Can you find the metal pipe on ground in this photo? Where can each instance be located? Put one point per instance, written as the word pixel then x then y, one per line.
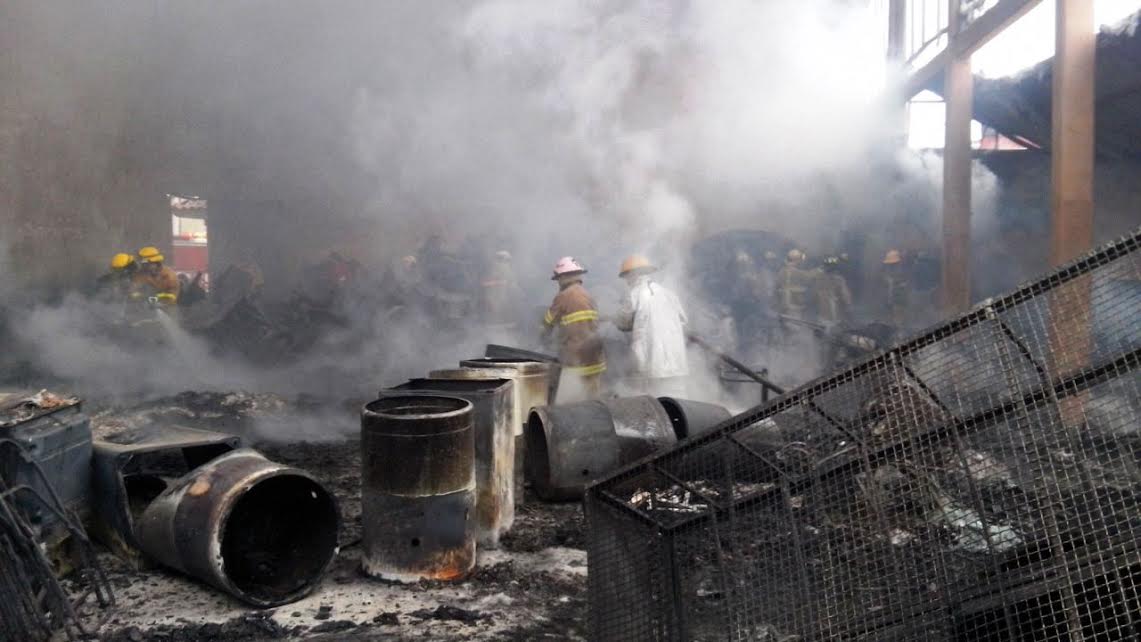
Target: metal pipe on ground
pixel 571 445
pixel 261 531
pixel 693 418
pixel 492 414
pixel 418 488
pixel 767 385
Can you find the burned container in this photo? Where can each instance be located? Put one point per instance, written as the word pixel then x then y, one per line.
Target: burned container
pixel 693 418
pixel 45 444
pixel 259 530
pixel 571 445
pixel 418 488
pixel 519 397
pixel 130 467
pixel 492 416
pixel 537 380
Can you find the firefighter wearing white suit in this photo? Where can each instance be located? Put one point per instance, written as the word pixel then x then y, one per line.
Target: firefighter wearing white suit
pixel 656 321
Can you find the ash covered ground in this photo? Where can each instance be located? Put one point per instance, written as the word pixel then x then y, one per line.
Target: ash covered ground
pixel 532 587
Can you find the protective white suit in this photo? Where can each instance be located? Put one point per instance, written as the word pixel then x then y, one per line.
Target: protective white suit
pixel 654 317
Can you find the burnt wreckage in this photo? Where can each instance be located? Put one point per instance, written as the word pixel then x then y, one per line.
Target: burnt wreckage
pixel 976 482
pixel 979 481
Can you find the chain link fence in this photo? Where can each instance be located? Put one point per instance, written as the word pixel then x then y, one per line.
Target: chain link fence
pixel 978 482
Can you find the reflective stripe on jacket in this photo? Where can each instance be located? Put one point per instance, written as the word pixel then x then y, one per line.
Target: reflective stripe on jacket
pixel 574 316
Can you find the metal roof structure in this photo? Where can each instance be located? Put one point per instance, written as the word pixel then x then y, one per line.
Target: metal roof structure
pixel 1019 107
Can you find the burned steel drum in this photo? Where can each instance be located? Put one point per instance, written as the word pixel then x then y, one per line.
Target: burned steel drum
pixel 418 488
pixel 521 395
pixel 693 418
pixel 259 530
pixel 492 416
pixel 537 382
pixel 569 446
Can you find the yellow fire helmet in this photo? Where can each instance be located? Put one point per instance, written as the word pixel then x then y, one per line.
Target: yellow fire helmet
pixel 150 254
pixel 121 261
pixel 636 262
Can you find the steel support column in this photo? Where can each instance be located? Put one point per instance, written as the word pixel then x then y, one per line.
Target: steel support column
pixel 896 30
pixel 958 94
pixel 896 54
pixel 1072 133
pixel 1072 160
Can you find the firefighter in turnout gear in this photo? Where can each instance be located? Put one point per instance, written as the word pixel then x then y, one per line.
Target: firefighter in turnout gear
pixel 897 288
pixel 653 316
pixel 833 298
pixel 499 292
pixel 155 279
pixel 793 286
pixel 573 316
pixel 116 284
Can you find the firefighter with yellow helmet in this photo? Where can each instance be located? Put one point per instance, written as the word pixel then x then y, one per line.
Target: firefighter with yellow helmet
pixel 656 321
pixel 897 287
pixel 154 279
pixel 833 297
pixel 116 283
pixel 794 284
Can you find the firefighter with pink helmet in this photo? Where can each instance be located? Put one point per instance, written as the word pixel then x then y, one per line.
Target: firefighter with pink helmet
pixel 573 317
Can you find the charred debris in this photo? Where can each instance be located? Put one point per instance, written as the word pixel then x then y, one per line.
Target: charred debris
pixel 127 504
pixel 977 481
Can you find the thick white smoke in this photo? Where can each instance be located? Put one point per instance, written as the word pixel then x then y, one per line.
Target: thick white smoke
pixel 594 128
pixel 580 123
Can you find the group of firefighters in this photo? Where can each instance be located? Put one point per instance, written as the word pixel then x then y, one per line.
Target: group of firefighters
pixel 652 315
pixel 821 294
pixel 656 321
pixel 143 276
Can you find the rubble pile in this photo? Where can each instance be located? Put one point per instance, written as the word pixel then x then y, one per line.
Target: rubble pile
pixel 532 588
pixel 976 482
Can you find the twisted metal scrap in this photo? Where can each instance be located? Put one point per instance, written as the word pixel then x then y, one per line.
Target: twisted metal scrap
pixel 33 604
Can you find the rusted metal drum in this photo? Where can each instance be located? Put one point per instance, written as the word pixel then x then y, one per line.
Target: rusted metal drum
pixel 418 488
pixel 693 418
pixel 518 410
pixel 569 446
pixel 537 382
pixel 261 531
pixel 492 414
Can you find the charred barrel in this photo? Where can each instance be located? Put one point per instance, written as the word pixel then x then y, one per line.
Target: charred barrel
pixel 418 488
pixel 261 531
pixel 492 417
pixel 693 418
pixel 537 382
pixel 569 446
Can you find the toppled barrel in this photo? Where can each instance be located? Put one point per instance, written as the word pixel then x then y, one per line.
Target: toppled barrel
pixel 418 488
pixel 492 417
pixel 693 418
pixel 569 446
pixel 259 530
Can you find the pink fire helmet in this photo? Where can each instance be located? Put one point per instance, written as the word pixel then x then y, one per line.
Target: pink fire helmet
pixel 567 265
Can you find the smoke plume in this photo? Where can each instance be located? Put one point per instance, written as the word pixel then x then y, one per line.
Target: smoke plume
pixel 592 128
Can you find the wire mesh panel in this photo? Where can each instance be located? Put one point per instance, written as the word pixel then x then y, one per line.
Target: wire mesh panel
pixel 981 481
